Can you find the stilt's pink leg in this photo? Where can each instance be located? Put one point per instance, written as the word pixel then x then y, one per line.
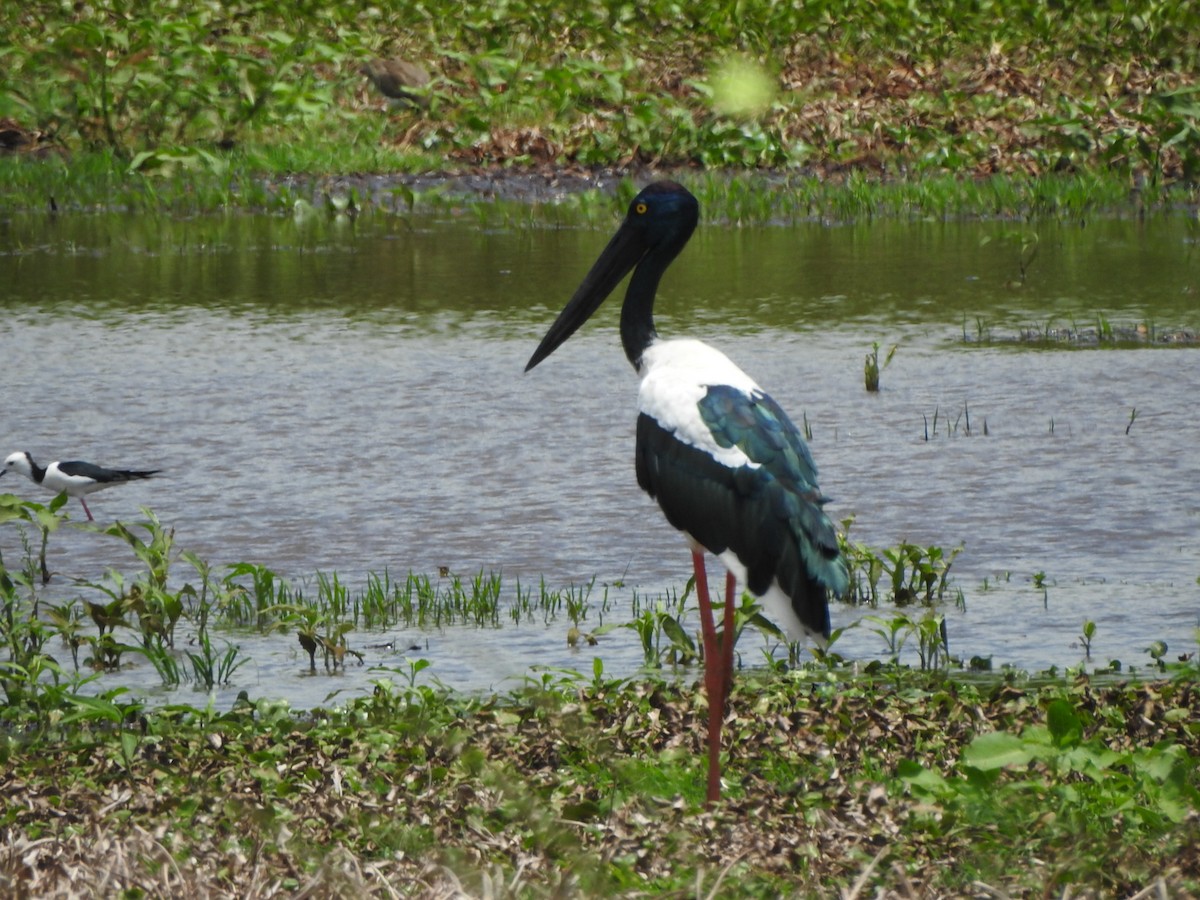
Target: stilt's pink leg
pixel 86 510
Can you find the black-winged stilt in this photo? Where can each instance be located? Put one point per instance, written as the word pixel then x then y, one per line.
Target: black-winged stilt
pixel 75 478
pixel 723 460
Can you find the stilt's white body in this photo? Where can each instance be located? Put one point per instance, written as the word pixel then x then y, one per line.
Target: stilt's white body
pixel 56 481
pixel 76 479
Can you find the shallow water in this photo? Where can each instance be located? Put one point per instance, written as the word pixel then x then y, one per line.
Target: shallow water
pixel 349 397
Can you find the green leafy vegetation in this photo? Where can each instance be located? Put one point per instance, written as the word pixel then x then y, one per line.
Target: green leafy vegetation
pixel 901 575
pixel 232 95
pixel 594 786
pixel 1080 786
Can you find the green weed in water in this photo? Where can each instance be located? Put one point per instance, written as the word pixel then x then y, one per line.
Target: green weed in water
pixel 901 575
pixel 1087 633
pixel 872 366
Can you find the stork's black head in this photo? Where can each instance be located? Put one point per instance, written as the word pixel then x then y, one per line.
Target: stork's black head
pixel 665 213
pixel 659 222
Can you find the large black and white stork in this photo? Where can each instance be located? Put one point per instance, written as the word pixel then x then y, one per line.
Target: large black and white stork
pixel 75 478
pixel 723 460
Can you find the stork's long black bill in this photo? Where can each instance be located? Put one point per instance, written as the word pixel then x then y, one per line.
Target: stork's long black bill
pixel 622 253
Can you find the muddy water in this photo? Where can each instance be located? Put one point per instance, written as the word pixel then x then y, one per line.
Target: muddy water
pixel 349 397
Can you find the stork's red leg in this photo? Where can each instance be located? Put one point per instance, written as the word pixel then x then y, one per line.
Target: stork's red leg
pixel 714 679
pixel 729 635
pixel 707 626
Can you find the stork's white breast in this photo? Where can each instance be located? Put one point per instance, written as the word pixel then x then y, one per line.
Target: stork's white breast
pixel 676 375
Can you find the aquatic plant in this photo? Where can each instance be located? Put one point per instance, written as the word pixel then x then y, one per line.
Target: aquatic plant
pixel 960 423
pixel 933 646
pixel 23 637
pixel 210 667
pixel 872 368
pixel 1086 634
pixel 914 574
pixel 1040 584
pixel 1026 244
pixel 660 629
pixel 1132 419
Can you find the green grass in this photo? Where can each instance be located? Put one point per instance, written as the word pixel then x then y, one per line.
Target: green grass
pixel 101 181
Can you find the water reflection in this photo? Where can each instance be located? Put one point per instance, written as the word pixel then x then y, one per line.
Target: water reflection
pixel 350 398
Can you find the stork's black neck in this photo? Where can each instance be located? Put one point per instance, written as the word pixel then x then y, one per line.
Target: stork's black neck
pixel 637 313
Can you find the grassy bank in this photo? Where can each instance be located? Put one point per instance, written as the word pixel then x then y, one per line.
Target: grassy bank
pixel 889 92
pixel 912 784
pixel 940 780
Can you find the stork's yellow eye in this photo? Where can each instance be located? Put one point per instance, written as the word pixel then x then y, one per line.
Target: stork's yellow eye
pixel 640 208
